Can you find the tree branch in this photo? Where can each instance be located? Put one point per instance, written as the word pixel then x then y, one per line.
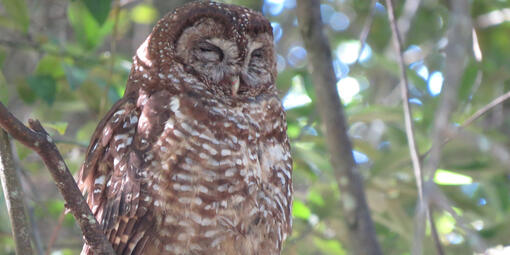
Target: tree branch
pixel 423 210
pixel 14 198
pixel 497 101
pixel 37 139
pixel 354 205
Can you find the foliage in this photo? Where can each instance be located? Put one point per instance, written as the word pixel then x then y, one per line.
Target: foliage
pixel 66 62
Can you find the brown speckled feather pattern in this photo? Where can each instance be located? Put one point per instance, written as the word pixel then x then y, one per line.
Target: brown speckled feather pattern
pixel 182 166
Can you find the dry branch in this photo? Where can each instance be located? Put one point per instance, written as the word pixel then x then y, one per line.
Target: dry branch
pixel 37 139
pixel 13 194
pixel 355 210
pixel 423 210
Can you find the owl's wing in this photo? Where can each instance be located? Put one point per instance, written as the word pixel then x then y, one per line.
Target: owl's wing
pixel 111 178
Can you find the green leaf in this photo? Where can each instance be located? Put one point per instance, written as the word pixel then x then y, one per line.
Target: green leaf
pixel 144 14
pixel 468 80
pixel 44 87
pixel 300 210
pixel 446 177
pixel 329 246
pixel 17 11
pixel 50 65
pixel 86 28
pixel 99 9
pixel 75 76
pixel 315 197
pixel 25 92
pixel 445 223
pixel 59 126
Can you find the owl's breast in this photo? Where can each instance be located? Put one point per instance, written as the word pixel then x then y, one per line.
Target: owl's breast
pixel 220 178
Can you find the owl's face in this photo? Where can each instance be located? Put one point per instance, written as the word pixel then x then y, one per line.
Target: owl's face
pixel 221 61
pixel 229 48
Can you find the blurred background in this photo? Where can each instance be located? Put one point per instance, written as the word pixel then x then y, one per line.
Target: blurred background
pixel 66 62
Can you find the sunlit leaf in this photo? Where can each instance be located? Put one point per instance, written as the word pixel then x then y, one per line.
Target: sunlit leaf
pixel 144 14
pixel 300 210
pixel 446 177
pixel 316 198
pixel 86 28
pixel 59 126
pixel 44 87
pixel 293 130
pixel 17 10
pixel 99 9
pixel 445 223
pixel 332 247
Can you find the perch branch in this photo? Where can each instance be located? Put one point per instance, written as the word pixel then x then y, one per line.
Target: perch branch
pixel 14 198
pixel 413 148
pixel 482 111
pixel 354 206
pixel 37 139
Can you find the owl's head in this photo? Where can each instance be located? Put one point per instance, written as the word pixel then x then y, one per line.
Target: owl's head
pixel 229 48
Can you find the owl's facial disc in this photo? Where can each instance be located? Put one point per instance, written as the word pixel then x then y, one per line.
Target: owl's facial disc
pixel 223 63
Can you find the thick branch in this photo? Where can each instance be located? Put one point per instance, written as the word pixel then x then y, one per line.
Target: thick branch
pixel 14 197
pixel 354 206
pixel 38 140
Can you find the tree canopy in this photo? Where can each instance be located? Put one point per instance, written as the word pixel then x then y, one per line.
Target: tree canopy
pixel 66 62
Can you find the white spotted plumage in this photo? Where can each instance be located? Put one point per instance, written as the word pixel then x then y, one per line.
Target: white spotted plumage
pixel 185 162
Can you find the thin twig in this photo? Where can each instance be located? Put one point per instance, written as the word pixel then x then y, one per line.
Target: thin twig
pixel 404 85
pixel 363 239
pixel 485 109
pixel 55 232
pixel 482 111
pixel 433 229
pixel 28 43
pixel 37 139
pixel 366 29
pixel 413 149
pixel 14 197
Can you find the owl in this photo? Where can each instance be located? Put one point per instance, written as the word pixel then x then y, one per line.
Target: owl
pixel 194 158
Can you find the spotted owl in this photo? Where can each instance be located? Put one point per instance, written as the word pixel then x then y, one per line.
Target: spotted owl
pixel 194 159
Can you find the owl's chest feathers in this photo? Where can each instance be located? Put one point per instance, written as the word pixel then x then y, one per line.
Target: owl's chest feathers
pixel 209 172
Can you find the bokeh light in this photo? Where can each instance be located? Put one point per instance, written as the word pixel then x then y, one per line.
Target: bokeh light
pixel 348 87
pixel 297 95
pixel 435 83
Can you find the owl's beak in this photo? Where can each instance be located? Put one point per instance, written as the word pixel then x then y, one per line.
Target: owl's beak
pixel 235 86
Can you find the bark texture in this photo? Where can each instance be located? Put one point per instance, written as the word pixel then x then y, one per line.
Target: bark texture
pixel 13 194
